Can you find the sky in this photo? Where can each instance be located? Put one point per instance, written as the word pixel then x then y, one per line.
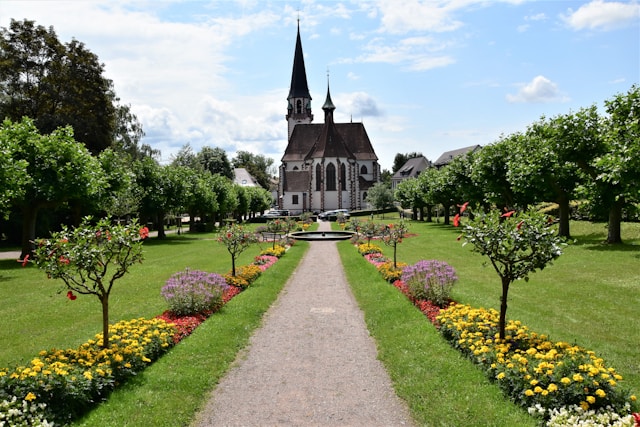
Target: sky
pixel 423 76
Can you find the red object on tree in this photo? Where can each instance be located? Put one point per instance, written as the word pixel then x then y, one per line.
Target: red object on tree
pixel 25 260
pixel 144 233
pixel 456 220
pixel 507 214
pixel 463 206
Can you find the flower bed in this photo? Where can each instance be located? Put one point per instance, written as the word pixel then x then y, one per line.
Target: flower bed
pixel 562 384
pixel 60 385
pixel 68 381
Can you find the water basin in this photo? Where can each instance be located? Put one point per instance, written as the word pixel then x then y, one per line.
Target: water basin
pixel 321 235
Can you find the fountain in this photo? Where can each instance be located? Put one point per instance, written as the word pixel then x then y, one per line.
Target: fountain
pixel 321 235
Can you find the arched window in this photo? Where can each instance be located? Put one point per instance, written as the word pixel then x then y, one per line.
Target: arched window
pixel 330 178
pixel 363 170
pixel 299 106
pixel 343 177
pixel 295 168
pixel 318 177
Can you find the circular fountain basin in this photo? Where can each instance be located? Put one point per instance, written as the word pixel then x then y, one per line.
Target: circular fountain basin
pixel 321 235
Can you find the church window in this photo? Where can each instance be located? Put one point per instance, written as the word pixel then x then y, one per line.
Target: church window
pixel 343 177
pixel 294 199
pixel 330 178
pixel 318 177
pixel 363 170
pixel 295 168
pixel 299 106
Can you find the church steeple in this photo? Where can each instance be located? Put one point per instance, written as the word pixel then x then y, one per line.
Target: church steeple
pixel 299 105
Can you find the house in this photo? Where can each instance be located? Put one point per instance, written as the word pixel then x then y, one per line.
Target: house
pixel 242 177
pixel 411 169
pixel 325 166
pixel 448 156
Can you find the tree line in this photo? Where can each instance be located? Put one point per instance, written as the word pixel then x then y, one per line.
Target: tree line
pixel 69 148
pixel 583 157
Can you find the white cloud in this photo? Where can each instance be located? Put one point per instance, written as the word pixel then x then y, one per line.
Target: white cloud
pixel 601 15
pixel 414 15
pixel 540 89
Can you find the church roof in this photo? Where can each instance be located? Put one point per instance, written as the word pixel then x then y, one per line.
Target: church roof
pixel 296 180
pixel 304 139
pixel 299 87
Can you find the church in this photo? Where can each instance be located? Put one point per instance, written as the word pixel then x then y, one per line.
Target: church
pixel 325 166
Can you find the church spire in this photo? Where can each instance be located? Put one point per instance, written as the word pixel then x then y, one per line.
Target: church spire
pixel 299 108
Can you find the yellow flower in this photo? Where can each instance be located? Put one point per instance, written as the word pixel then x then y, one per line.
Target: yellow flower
pixel 584 405
pixel 591 399
pixel 600 393
pixel 501 375
pixel 538 389
pixel 30 396
pixel 528 392
pixel 87 375
pixel 565 381
pixel 577 378
pixel 552 387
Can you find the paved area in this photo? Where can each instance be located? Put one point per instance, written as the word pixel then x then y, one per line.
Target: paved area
pixel 312 363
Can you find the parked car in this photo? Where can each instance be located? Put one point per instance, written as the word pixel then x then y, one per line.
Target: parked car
pixel 275 213
pixel 333 215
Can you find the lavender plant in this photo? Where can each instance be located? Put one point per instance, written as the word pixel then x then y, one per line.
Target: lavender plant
pixel 193 291
pixel 430 280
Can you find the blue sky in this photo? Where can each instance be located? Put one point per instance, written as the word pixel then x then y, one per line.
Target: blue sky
pixel 426 76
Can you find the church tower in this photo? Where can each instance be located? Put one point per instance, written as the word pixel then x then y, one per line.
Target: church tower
pixel 299 108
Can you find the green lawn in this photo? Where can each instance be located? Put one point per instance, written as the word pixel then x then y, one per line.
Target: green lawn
pixel 589 296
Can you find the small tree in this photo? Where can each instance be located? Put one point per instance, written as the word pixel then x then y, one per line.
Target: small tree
pixel 90 258
pixel 380 196
pixel 236 240
pixel 393 234
pixel 516 245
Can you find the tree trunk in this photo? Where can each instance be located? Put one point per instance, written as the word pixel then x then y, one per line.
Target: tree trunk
pixel 29 218
pixel 429 213
pixel 160 226
pixel 447 212
pixel 104 299
pixel 503 307
pixel 615 219
pixel 563 226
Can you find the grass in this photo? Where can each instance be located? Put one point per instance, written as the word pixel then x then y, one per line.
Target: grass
pixel 588 296
pixel 439 385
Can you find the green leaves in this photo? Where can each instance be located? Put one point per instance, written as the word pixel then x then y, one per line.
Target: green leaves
pixel 517 245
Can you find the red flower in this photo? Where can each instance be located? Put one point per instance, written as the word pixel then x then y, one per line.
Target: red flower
pixel 25 260
pixel 456 220
pixel 63 260
pixel 144 233
pixel 463 206
pixel 71 296
pixel 507 214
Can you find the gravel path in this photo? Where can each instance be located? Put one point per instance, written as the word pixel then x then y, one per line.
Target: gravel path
pixel 312 363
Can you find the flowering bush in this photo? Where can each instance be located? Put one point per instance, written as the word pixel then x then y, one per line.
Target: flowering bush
pixel 193 291
pixel 430 280
pixel 69 381
pixel 245 275
pixel 277 251
pixel 236 240
pixel 24 412
pixel 265 261
pixel 576 416
pixel 390 272
pixel 368 248
pixel 531 369
pixel 91 257
pixel 376 258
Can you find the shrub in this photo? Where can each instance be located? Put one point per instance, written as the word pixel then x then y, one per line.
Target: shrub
pixel 193 291
pixel 245 275
pixel 430 280
pixel 23 412
pixel 368 248
pixel 277 250
pixel 391 273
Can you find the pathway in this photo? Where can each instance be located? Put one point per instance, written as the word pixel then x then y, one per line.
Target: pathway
pixel 312 363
